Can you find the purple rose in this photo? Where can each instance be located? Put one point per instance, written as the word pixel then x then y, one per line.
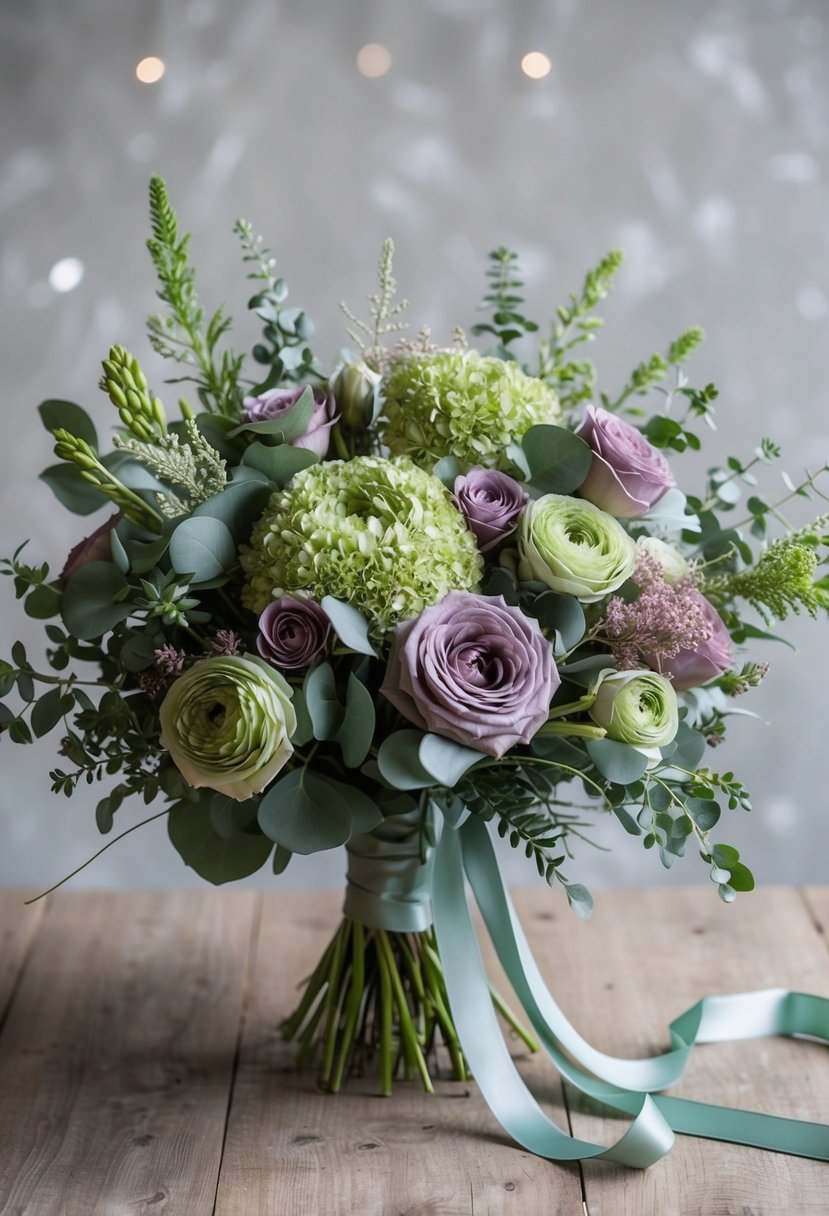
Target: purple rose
pixel 94 548
pixel 293 633
pixel 277 401
pixel 690 668
pixel 473 669
pixel 491 503
pixel 627 475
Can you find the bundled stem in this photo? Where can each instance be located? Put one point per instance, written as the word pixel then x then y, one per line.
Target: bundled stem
pixel 379 998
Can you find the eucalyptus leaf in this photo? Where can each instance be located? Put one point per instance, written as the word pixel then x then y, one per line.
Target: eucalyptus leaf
pixel 65 415
pixel 324 708
pixel 72 490
pixel 119 554
pixel 280 463
pixel 43 602
pixel 579 899
pixel 238 507
pixel 304 813
pixel 281 859
pixel 617 762
pixel 145 556
pixel 46 713
pixel 447 760
pixel 559 461
pixel 365 813
pixel 217 856
pixel 349 625
pixel 563 613
pixel 356 730
pixel 89 608
pixel 446 470
pixel 202 547
pixel 399 761
pixel 304 732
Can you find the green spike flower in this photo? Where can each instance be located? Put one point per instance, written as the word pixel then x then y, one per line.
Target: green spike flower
pixel 82 455
pixel 126 386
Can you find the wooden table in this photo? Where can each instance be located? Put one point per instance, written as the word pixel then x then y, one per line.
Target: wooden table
pixel 141 1071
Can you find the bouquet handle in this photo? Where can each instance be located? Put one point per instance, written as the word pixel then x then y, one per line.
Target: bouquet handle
pixel 626 1085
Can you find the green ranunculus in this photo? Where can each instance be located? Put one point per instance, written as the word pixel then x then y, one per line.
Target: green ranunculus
pixel 636 707
pixel 227 724
pixel 574 548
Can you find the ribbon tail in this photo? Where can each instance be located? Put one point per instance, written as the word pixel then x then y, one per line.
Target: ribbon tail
pixel 624 1085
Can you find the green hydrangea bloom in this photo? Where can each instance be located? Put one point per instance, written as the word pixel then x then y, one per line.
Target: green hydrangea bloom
pixel 381 534
pixel 462 404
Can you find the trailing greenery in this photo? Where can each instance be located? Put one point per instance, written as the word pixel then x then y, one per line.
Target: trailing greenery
pixel 505 301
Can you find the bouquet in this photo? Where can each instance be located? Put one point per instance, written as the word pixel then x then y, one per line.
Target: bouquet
pixel 432 593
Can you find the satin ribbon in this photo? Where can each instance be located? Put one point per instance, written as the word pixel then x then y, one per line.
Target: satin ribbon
pixel 388 883
pixel 627 1086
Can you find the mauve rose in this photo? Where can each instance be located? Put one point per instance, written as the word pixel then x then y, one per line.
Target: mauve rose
pixel 690 668
pixel 277 401
pixel 293 633
pixel 627 475
pixel 473 669
pixel 94 548
pixel 491 503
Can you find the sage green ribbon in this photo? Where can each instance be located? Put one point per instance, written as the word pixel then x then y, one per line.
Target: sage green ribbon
pixel 388 881
pixel 627 1086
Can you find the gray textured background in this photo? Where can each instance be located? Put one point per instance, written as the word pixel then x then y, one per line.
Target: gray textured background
pixel 694 135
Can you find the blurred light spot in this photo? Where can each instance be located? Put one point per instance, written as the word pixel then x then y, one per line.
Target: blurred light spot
pixel 796 167
pixel 66 274
pixel 536 65
pixel 373 59
pixel 150 70
pixel 812 304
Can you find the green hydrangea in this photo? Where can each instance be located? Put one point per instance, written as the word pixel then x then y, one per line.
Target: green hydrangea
pixel 462 404
pixel 382 534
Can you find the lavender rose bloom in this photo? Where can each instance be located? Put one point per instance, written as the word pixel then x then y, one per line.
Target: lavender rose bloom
pixel 690 668
pixel 277 401
pixel 627 475
pixel 293 633
pixel 473 669
pixel 491 503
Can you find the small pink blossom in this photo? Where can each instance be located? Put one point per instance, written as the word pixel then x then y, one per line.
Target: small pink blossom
pixel 169 661
pixel 226 641
pixel 663 621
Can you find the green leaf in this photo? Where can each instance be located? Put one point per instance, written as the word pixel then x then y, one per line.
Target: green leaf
pixel 364 811
pixel 689 750
pixel 725 856
pixel 563 613
pixel 238 507
pixel 43 602
pixel 324 708
pixel 356 730
pixel 65 415
pixel 19 731
pixel 47 712
pixel 559 460
pixel 446 760
pixel 305 813
pixel 138 651
pixel 741 878
pixel 293 424
pixel 202 547
pixel 579 899
pixel 304 732
pixel 399 761
pixel 281 859
pixel 218 856
pixel 119 553
pixel 89 609
pixel 616 761
pixel 280 463
pixel 144 557
pixel 72 490
pixel 704 811
pixel 349 625
pixel 446 470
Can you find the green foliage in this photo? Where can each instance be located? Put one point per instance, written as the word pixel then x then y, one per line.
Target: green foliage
pixel 186 462
pixel 92 470
pixel 286 332
pixel 575 324
pixel 505 301
pixel 126 386
pixel 185 333
pixel 781 582
pixel 384 310
pixel 557 459
pixel 219 838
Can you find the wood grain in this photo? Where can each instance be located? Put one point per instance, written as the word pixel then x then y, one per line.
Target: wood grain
pixel 644 958
pixel 293 1151
pixel 18 926
pixel 116 1059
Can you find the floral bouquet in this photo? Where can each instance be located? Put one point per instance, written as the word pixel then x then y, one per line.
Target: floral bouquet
pixel 393 607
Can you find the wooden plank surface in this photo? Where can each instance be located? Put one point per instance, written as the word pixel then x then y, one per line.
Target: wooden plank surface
pixel 117 1056
pixel 18 926
pixel 130 1050
pixel 644 958
pixel 293 1151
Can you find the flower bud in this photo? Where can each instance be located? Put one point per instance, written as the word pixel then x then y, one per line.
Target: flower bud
pixel 638 708
pixel 353 386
